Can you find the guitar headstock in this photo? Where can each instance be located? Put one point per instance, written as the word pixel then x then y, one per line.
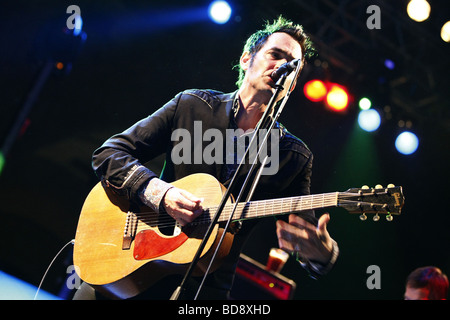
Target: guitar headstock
pixel 378 200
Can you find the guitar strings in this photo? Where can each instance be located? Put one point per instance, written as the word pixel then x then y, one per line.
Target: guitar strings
pixel 147 220
pixel 168 222
pixel 256 206
pixel 152 219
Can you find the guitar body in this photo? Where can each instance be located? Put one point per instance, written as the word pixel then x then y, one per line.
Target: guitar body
pixel 102 261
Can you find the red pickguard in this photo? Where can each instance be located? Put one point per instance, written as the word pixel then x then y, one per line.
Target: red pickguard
pixel 149 244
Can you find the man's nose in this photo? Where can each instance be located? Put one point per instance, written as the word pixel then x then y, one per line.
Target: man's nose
pixel 281 62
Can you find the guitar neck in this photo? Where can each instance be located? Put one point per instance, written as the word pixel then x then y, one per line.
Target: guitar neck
pixel 264 208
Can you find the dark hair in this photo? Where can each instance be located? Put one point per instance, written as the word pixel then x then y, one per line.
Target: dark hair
pixel 430 278
pixel 257 40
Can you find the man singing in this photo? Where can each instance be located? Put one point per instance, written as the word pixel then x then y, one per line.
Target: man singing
pixel 119 163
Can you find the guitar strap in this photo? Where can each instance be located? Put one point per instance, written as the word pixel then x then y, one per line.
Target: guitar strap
pixel 268 122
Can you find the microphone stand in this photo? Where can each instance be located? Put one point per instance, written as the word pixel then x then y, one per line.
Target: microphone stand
pixel 265 117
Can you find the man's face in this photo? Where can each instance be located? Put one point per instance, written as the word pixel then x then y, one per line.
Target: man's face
pixel 278 49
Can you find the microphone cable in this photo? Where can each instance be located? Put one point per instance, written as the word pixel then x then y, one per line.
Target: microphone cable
pixel 50 265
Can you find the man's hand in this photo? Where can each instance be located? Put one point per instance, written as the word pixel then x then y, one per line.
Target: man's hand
pixel 313 243
pixel 182 206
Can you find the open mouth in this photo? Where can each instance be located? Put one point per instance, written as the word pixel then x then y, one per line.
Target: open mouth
pixel 271 82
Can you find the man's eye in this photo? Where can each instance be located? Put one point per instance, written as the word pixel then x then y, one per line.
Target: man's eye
pixel 275 55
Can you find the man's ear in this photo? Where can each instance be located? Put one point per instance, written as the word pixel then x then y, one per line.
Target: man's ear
pixel 245 60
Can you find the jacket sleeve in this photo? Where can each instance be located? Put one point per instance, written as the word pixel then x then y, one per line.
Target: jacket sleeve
pixel 119 161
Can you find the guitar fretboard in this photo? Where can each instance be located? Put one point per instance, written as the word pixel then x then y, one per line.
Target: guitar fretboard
pixel 263 208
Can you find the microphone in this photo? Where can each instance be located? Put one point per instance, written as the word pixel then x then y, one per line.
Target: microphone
pixel 287 67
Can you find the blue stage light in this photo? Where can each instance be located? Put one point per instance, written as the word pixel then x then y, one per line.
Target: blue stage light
pixel 12 288
pixel 407 143
pixel 78 26
pixel 369 120
pixel 220 11
pixel 389 64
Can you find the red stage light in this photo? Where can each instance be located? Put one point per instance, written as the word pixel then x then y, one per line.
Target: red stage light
pixel 315 90
pixel 337 97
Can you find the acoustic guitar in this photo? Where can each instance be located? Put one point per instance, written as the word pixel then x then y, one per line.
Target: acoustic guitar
pixel 122 250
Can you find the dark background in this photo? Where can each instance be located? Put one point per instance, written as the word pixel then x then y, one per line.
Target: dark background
pixel 138 54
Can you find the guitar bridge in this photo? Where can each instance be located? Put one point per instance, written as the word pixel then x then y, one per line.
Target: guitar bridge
pixel 129 231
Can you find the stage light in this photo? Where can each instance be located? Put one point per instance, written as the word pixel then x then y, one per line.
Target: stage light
pixel 337 97
pixel 365 103
pixel 418 10
pixel 220 11
pixel 2 162
pixel 388 63
pixel 445 32
pixel 13 288
pixel 78 26
pixel 315 90
pixel 406 143
pixel 369 120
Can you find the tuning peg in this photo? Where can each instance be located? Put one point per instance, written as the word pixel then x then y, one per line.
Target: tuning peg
pixel 361 192
pixel 378 186
pixel 390 185
pixel 389 217
pixel 376 217
pixel 363 217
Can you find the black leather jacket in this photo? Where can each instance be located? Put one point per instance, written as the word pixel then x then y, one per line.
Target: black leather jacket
pixel 119 162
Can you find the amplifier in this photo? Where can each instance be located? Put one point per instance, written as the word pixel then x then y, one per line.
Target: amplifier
pixel 253 281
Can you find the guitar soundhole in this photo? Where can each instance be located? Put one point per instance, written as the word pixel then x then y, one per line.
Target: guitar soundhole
pixel 166 224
